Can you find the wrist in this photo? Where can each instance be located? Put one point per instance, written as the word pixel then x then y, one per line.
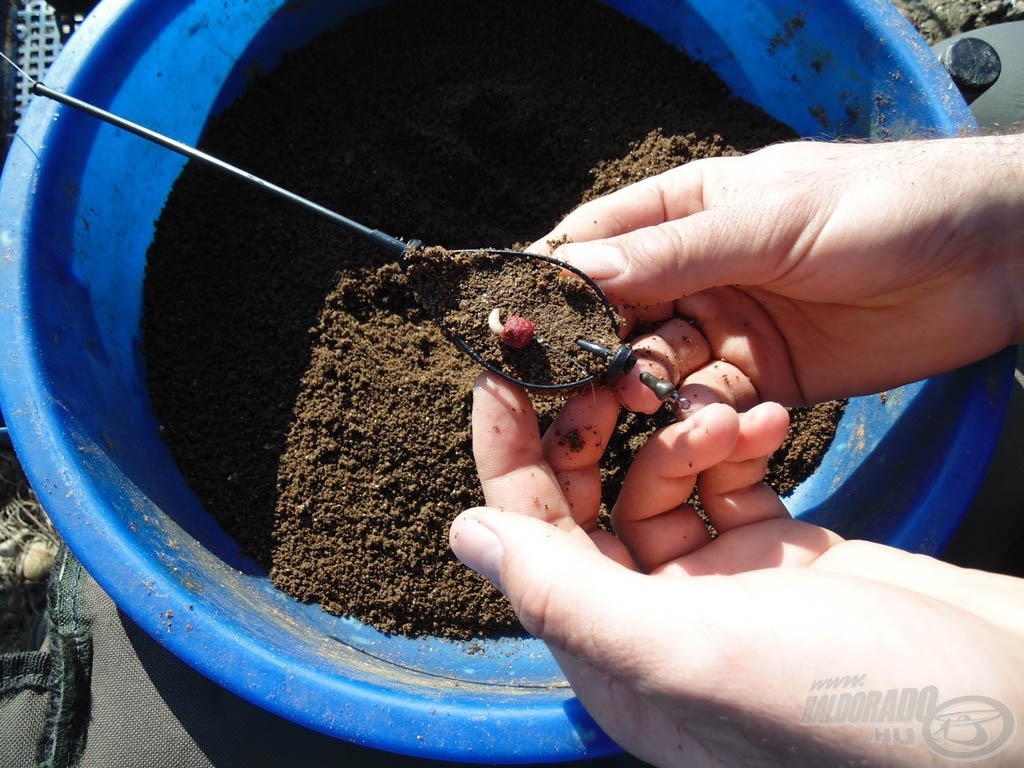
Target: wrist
pixel 991 223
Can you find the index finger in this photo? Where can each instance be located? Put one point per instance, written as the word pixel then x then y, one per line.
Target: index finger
pixel 646 203
pixel 509 456
pixel 574 445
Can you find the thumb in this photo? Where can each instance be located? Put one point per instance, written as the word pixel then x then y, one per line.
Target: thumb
pixel 564 590
pixel 719 246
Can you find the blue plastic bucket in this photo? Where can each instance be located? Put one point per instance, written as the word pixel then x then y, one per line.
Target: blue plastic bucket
pixel 78 200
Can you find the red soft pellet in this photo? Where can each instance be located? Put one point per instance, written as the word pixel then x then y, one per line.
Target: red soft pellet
pixel 518 332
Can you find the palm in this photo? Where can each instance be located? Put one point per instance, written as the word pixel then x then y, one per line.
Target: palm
pixel 711 670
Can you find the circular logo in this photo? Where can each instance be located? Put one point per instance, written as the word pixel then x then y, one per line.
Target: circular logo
pixel 968 728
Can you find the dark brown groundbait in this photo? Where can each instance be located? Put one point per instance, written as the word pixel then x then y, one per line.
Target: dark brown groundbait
pixel 305 394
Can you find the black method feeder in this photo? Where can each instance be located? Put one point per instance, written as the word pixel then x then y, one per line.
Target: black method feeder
pixel 617 361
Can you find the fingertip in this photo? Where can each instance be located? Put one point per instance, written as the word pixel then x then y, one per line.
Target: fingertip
pixel 720 382
pixel 768 418
pixel 672 351
pixel 599 260
pixel 762 430
pixel 769 412
pixel 490 386
pixel 539 248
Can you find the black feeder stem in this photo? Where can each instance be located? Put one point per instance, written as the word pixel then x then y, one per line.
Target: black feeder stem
pixel 663 389
pixel 619 362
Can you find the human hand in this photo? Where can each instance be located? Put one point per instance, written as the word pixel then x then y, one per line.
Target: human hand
pixel 693 651
pixel 820 270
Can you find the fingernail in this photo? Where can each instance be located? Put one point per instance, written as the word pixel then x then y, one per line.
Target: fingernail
pixel 477 547
pixel 598 260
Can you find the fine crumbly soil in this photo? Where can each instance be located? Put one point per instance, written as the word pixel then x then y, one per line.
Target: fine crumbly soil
pixel 306 395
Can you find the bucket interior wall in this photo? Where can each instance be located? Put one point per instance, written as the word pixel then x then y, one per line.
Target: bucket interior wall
pixel 79 201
